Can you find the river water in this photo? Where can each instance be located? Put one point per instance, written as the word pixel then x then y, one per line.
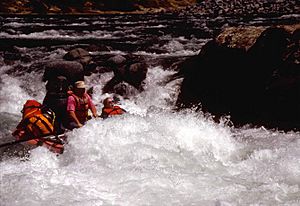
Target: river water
pixel 152 155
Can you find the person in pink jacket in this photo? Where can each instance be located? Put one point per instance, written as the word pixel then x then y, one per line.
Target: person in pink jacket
pixel 79 103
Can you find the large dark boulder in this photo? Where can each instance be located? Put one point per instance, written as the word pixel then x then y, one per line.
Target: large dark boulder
pixel 80 55
pixel 83 57
pixel 135 74
pixel 211 78
pixel 259 85
pixel 129 71
pixel 72 70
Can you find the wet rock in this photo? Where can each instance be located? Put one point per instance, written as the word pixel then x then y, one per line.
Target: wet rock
pixel 12 56
pixel 121 89
pixel 37 66
pixel 135 74
pixel 132 71
pixel 72 70
pixel 26 59
pixel 1 61
pixel 116 61
pixel 18 70
pixel 101 69
pixel 258 85
pixel 240 37
pixel 90 68
pixel 94 48
pixel 80 55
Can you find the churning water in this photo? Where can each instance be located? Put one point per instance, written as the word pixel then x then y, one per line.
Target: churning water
pixel 152 155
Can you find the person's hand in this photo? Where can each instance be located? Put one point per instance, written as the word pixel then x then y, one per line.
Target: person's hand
pixel 95 115
pixel 18 134
pixel 80 125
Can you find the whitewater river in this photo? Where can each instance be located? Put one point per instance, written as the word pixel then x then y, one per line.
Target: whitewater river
pixel 152 155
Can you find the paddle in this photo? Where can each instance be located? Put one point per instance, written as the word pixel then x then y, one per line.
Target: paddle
pixel 46 137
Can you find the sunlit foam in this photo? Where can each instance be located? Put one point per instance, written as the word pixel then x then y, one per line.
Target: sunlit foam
pixel 12 95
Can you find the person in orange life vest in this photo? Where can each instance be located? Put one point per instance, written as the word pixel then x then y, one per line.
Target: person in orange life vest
pixel 110 108
pixel 31 109
pixel 38 122
pixel 79 102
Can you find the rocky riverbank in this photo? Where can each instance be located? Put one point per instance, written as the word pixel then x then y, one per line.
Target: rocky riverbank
pixel 90 6
pixel 238 8
pixel 246 8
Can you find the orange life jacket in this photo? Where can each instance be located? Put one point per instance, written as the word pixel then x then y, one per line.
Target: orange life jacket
pixel 30 108
pixel 81 107
pixel 116 110
pixel 38 123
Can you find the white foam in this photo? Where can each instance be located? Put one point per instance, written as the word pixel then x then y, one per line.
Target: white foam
pixel 12 96
pixel 59 34
pixel 150 156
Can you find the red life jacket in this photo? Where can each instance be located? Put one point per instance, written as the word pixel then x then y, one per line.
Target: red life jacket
pixel 37 123
pixel 81 107
pixel 112 111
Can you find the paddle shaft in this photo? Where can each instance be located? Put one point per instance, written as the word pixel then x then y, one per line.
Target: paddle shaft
pixel 46 138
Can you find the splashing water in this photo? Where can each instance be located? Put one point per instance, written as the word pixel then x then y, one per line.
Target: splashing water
pixel 154 156
pixel 150 156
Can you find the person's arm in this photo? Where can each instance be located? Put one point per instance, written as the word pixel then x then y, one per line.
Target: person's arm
pixel 94 111
pixel 120 108
pixel 92 107
pixel 74 118
pixel 71 110
pixel 103 115
pixel 19 133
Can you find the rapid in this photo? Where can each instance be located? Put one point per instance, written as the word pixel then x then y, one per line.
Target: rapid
pixel 152 155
